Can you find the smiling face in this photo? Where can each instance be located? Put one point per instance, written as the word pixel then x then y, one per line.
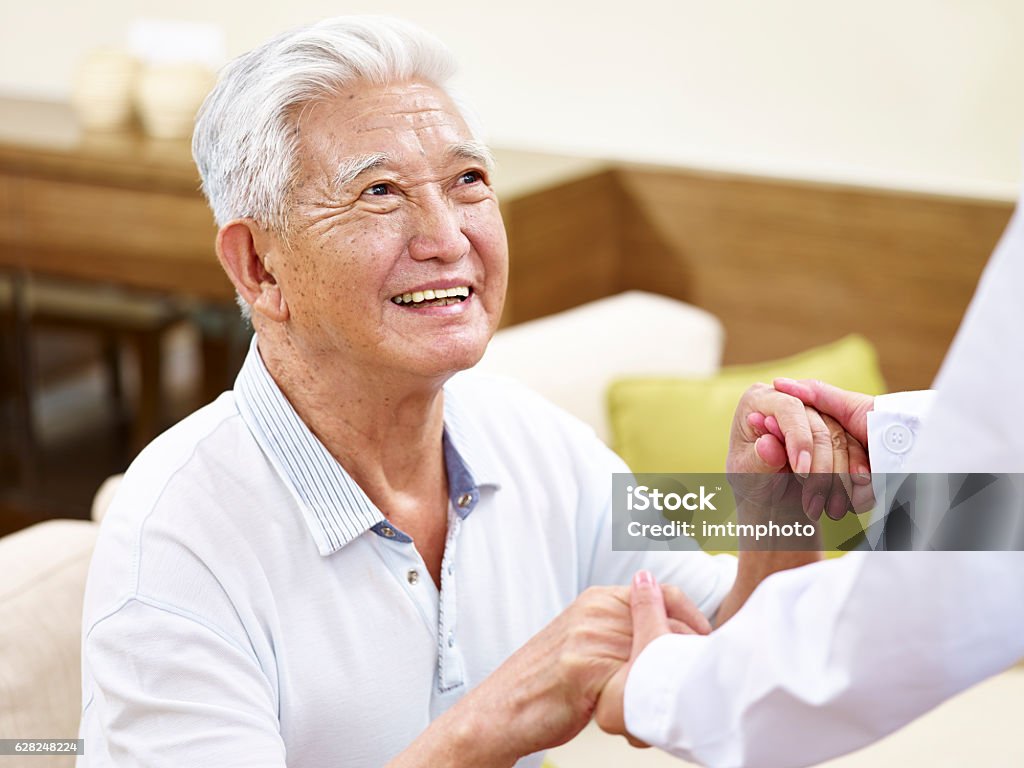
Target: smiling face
pixel 392 205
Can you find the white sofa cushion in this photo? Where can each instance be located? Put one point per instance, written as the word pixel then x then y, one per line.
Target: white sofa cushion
pixel 40 636
pixel 571 357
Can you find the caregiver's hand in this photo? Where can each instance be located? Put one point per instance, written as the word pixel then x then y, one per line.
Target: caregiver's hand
pixel 650 621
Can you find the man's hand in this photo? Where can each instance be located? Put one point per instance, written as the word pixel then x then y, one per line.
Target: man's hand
pixel 773 430
pixel 649 622
pixel 546 692
pixel 850 411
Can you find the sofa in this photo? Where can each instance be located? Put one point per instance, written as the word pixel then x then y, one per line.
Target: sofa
pixel 571 358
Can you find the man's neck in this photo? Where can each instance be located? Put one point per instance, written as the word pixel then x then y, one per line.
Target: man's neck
pixel 385 432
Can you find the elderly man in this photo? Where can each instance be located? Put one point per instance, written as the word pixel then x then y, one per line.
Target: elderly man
pixel 336 562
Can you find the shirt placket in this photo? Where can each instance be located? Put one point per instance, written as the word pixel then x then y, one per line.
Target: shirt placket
pixel 451 670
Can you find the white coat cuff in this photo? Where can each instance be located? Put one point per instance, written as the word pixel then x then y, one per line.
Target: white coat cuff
pixel 893 426
pixel 651 701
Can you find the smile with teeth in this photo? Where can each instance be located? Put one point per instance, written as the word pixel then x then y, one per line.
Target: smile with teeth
pixel 438 297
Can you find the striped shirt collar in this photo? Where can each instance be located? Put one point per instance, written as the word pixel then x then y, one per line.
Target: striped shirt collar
pixel 333 506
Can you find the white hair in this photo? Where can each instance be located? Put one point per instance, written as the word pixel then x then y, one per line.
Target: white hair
pixel 245 141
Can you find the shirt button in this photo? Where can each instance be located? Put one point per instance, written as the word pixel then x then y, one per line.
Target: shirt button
pixel 413 576
pixel 387 532
pixel 451 639
pixel 450 570
pixel 465 500
pixel 898 438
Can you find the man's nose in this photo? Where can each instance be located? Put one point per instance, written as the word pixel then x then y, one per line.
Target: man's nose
pixel 439 233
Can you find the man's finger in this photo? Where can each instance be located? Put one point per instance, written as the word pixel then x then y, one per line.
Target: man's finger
pixel 769 445
pixel 677 627
pixel 773 428
pixel 771 451
pixel 679 606
pixel 860 466
pixel 648 606
pixel 863 494
pixel 848 408
pixel 756 421
pixel 788 413
pixel 842 486
pixel 818 485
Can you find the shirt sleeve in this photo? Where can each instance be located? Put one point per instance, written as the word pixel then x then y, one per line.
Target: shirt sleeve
pixel 167 690
pixel 825 659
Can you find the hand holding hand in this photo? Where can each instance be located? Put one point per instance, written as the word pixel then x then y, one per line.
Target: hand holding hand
pixel 774 432
pixel 649 622
pixel 850 409
pixel 546 692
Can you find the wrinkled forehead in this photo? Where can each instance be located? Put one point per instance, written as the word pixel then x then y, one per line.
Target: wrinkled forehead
pixel 412 121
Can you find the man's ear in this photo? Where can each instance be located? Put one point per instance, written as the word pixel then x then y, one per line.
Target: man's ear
pixel 244 249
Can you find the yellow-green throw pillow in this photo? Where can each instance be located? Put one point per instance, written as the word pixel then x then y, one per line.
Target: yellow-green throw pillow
pixel 662 424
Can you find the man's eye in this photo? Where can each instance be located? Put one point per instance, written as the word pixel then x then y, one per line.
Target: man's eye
pixel 378 190
pixel 471 177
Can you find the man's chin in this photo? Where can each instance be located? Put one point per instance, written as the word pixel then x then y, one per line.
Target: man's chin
pixel 445 360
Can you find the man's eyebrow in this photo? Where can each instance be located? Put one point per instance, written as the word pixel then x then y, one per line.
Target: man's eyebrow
pixel 354 167
pixel 472 150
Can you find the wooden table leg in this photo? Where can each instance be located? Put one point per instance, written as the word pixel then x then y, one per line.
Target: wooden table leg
pixel 26 453
pixel 148 422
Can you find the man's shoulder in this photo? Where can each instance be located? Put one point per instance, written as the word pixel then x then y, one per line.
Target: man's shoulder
pixel 188 480
pixel 184 448
pixel 180 508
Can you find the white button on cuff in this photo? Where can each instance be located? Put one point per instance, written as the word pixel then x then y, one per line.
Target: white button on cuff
pixel 897 438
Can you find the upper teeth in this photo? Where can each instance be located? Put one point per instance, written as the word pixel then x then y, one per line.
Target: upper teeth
pixel 430 294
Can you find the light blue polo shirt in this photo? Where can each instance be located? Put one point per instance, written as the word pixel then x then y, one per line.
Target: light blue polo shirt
pixel 248 605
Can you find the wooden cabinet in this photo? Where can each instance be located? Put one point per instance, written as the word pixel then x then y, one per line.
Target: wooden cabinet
pixel 114 208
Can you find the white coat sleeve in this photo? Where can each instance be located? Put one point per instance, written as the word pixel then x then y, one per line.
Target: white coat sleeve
pixel 825 659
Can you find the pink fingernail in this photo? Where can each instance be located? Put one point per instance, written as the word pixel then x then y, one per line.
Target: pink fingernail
pixel 803 463
pixel 643 579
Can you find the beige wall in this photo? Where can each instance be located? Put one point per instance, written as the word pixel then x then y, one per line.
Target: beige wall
pixel 924 94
